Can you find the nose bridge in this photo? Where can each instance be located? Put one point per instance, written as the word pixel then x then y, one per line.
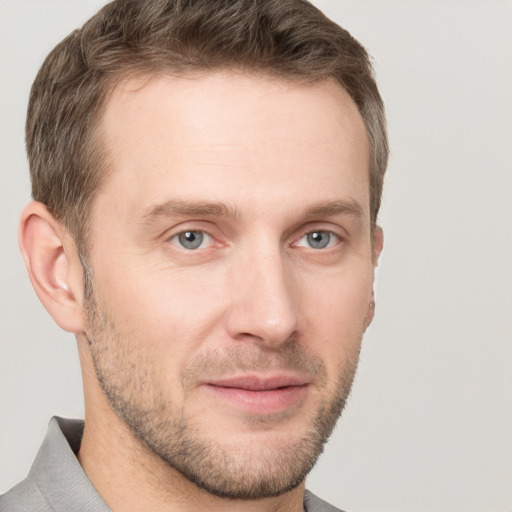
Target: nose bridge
pixel 264 305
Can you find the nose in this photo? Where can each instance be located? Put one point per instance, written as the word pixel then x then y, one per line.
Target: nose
pixel 264 304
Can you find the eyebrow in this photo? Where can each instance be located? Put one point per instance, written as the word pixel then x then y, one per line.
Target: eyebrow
pixel 176 208
pixel 342 206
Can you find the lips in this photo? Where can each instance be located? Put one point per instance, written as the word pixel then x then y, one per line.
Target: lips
pixel 255 383
pixel 257 394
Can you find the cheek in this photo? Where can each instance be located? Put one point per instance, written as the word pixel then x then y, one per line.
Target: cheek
pixel 159 325
pixel 171 313
pixel 340 297
pixel 335 314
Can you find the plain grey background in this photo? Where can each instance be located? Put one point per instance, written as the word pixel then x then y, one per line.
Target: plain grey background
pixel 429 423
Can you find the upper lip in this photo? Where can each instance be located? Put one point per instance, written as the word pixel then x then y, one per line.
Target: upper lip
pixel 259 383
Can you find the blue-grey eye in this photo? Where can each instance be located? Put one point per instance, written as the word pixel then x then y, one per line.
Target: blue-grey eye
pixel 318 239
pixel 190 239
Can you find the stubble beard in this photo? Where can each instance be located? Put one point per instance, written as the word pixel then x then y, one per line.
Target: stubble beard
pixel 227 471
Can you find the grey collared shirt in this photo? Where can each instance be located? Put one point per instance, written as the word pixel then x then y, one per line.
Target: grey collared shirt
pixel 57 483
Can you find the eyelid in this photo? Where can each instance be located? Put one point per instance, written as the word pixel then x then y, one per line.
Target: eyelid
pixel 189 225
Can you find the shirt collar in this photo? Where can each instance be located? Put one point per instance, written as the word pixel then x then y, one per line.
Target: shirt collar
pixel 57 473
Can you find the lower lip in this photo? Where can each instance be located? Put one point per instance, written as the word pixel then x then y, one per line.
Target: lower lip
pixel 260 402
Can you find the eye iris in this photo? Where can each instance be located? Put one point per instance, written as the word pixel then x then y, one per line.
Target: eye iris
pixel 319 239
pixel 191 239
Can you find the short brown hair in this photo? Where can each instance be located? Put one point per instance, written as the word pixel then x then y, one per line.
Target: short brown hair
pixel 288 39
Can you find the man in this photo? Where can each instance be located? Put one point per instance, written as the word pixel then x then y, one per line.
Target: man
pixel 206 178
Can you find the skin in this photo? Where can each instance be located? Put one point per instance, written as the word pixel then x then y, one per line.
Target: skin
pixel 171 338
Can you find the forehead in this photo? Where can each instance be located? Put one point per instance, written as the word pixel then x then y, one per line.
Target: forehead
pixel 230 131
pixel 210 98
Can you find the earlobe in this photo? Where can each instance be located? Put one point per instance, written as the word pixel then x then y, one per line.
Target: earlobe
pixel 53 265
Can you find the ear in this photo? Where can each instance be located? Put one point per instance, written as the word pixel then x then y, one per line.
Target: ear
pixel 378 244
pixel 370 313
pixel 53 265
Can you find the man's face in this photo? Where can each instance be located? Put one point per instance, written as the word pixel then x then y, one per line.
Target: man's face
pixel 232 267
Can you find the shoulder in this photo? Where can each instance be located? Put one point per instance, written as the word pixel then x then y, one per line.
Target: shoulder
pixel 313 503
